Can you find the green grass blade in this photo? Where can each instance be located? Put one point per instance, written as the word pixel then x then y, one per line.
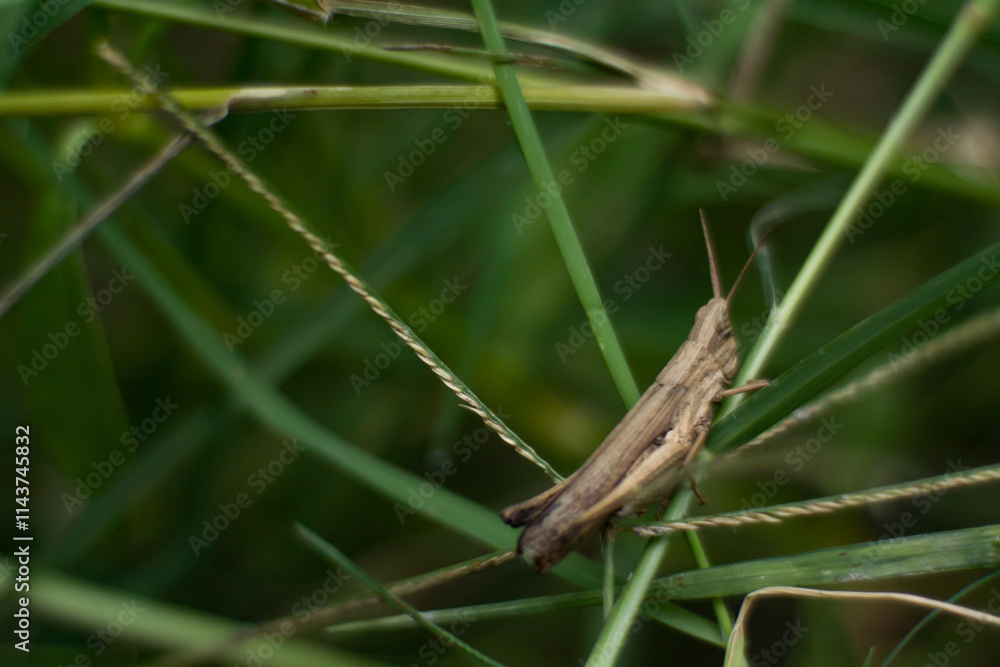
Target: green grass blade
pixel 440 18
pixel 301 34
pixel 877 560
pixel 334 555
pixel 971 21
pixel 935 302
pixel 934 614
pixel 145 622
pixel 557 213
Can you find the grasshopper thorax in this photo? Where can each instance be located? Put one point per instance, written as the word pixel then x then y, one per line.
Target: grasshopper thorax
pixel 713 330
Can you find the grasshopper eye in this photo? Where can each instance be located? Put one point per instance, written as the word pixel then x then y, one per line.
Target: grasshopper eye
pixel 722 327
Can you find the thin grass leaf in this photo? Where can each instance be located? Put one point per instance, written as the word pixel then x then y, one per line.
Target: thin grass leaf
pixel 739 634
pixel 336 556
pixel 866 562
pixel 964 336
pixel 581 98
pixel 556 212
pixel 945 293
pixel 934 614
pixel 84 606
pixel 778 513
pixel 306 35
pixel 608 589
pixel 74 236
pixel 440 18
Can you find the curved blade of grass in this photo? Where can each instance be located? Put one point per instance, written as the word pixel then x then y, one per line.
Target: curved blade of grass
pixel 735 649
pixel 818 139
pixel 934 614
pixel 336 556
pixel 556 212
pixel 784 208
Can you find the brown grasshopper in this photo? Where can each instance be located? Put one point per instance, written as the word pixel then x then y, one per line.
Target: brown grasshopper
pixel 646 455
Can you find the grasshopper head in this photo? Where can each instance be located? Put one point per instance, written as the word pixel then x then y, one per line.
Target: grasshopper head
pixel 713 330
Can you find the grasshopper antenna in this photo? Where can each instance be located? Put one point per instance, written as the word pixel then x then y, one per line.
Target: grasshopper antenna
pixel 712 268
pixel 760 244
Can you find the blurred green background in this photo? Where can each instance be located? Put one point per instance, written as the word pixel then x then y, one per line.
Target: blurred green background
pixel 490 296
